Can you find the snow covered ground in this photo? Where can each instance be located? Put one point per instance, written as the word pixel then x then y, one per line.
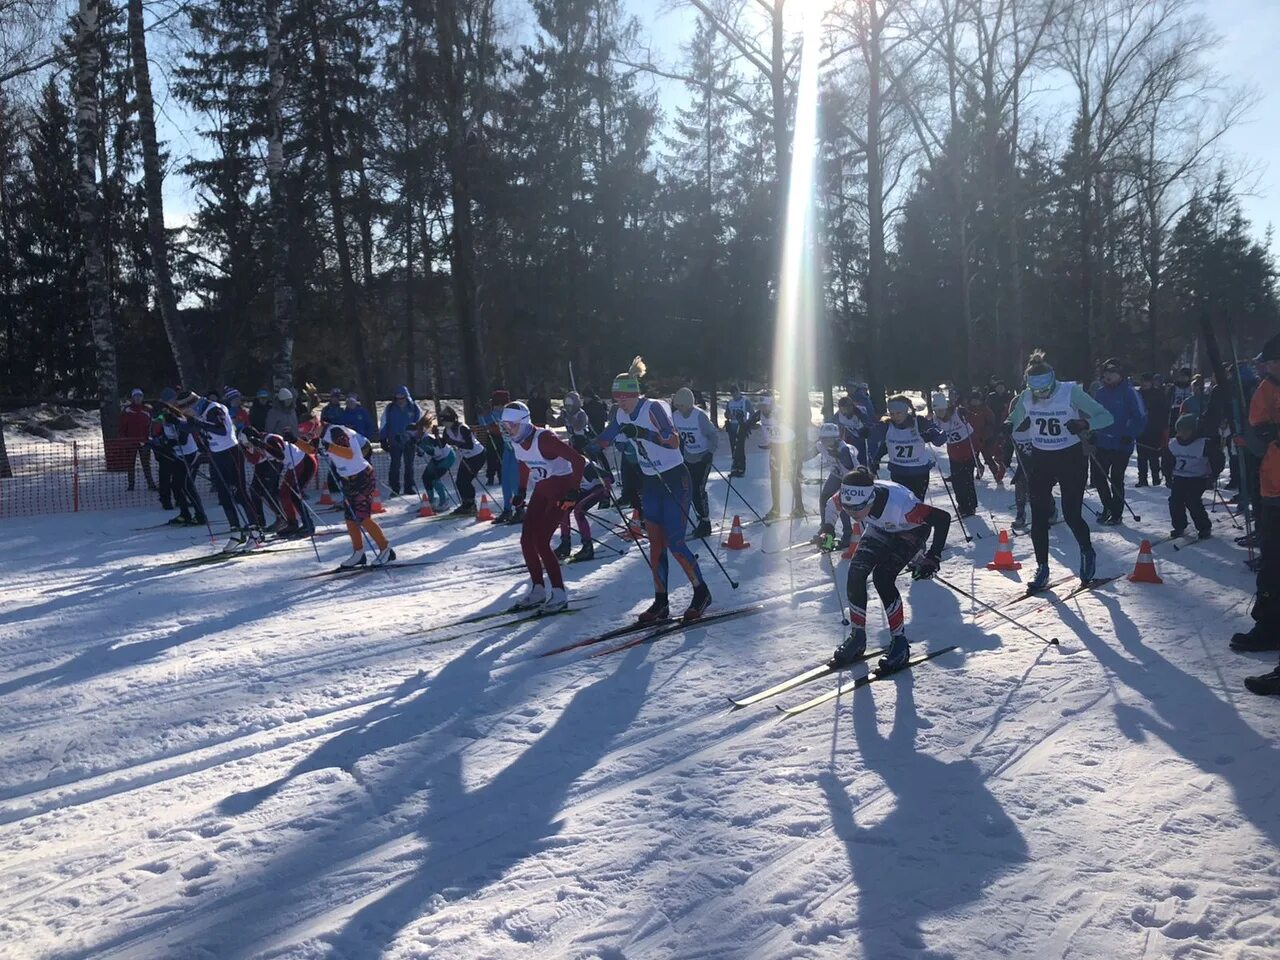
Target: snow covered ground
pixel 234 761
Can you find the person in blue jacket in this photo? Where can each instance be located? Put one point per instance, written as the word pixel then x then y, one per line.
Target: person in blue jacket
pixel 399 419
pixel 332 412
pixel 1115 443
pixel 357 417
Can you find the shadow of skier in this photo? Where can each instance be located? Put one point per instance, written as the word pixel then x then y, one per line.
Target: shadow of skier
pixel 946 839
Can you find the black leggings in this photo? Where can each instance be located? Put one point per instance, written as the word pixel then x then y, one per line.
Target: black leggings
pixel 227 472
pixel 698 470
pixel 917 483
pixel 880 557
pixel 468 472
pixel 1186 495
pixel 263 489
pixel 1067 469
pixel 1108 479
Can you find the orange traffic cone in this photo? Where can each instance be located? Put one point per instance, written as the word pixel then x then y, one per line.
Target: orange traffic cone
pixel 855 537
pixel 1004 555
pixel 634 530
pixel 484 514
pixel 736 541
pixel 426 510
pixel 377 503
pixel 1144 571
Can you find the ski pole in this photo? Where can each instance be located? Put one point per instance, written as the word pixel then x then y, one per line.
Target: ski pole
pixel 685 512
pixel 835 582
pixel 947 484
pixel 1051 641
pixel 731 490
pixel 1103 473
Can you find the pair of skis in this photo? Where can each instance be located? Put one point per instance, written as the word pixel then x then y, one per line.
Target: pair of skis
pixel 636 634
pixel 826 670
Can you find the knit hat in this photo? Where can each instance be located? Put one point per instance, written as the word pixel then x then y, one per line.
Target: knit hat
pixel 683 398
pixel 499 398
pixel 187 399
pixel 229 394
pixel 626 386
pixel 1188 421
pixel 135 392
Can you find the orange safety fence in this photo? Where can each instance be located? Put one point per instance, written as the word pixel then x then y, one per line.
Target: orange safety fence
pixel 66 476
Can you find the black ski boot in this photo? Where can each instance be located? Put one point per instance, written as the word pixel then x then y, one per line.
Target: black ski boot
pixel 701 600
pixel 852 650
pixel 588 552
pixel 1255 641
pixel 703 529
pixel 898 655
pixel 1266 685
pixel 465 509
pixel 564 549
pixel 657 611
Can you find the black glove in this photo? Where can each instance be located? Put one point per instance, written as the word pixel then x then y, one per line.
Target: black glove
pixel 517 502
pixel 926 568
pixel 1078 426
pixel 1024 426
pixel 633 431
pixel 570 499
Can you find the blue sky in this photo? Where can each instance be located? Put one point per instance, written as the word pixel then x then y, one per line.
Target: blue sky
pixel 1250 30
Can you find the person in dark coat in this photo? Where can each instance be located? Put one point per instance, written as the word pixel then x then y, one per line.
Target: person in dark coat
pixel 1152 440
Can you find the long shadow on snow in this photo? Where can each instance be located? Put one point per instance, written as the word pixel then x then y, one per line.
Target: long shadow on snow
pixel 946 839
pixel 1190 717
pixel 473 835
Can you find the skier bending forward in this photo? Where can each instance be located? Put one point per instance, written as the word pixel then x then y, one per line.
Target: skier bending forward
pixel 555 469
pixel 896 525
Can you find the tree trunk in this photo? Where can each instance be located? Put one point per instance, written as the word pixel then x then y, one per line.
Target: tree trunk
pixel 282 313
pixel 333 183
pixel 88 63
pixel 462 236
pixel 184 357
pixel 875 209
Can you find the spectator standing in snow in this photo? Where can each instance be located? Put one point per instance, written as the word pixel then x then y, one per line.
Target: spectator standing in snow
pixel 281 418
pixel 357 417
pixel 399 419
pixel 1115 442
pixel 1152 439
pixel 333 412
pixel 1264 419
pixel 259 409
pixel 135 429
pixel 539 407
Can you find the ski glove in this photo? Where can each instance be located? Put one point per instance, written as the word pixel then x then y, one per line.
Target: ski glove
pixel 634 431
pixel 517 502
pixel 570 500
pixel 1078 426
pixel 926 568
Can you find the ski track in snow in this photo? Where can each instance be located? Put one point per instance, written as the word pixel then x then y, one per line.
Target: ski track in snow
pixel 231 761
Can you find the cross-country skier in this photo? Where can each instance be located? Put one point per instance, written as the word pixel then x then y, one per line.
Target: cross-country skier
pixel 739 415
pixel 1056 413
pixel 226 469
pixel 853 426
pixel 176 445
pixel 895 527
pixel 666 490
pixel 555 469
pixel 903 436
pixel 295 468
pixel 577 425
pixel 471 454
pixel 264 485
pixel 439 458
pixel 1192 462
pixel 962 456
pixel 593 490
pixel 699 440
pixel 838 458
pixel 349 454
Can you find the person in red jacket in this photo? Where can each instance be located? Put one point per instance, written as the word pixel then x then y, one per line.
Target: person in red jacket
pixel 987 440
pixel 135 426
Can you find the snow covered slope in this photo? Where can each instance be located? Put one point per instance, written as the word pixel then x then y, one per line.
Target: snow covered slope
pixel 234 761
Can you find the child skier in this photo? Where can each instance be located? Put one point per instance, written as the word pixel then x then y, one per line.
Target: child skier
pixel 349 454
pixel 699 440
pixel 953 425
pixel 555 468
pixel 739 416
pixel 1192 461
pixel 439 458
pixel 472 456
pixel 666 490
pixel 1055 414
pixel 838 458
pixel 593 489
pixel 902 435
pixel 895 527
